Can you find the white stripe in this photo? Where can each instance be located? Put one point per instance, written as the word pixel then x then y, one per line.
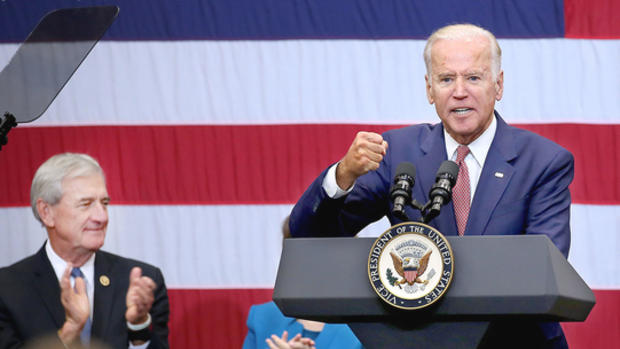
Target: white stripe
pixel 195 246
pixel 595 242
pixel 322 81
pixel 239 246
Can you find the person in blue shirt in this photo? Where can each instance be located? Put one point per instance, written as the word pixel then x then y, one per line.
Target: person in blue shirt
pixel 266 322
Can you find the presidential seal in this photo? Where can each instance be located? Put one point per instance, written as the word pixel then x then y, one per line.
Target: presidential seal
pixel 410 265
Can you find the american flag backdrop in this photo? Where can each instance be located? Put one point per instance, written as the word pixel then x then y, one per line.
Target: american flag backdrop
pixel 211 117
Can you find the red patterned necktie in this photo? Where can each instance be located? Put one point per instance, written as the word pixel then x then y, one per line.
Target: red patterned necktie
pixel 461 193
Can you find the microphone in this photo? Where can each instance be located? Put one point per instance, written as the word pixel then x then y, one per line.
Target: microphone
pixel 441 192
pixel 400 193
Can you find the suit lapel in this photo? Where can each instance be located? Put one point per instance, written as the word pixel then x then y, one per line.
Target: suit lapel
pixel 496 174
pixel 105 295
pixel 46 284
pixel 434 149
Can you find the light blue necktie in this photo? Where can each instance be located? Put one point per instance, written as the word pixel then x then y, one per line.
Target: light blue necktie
pixel 85 335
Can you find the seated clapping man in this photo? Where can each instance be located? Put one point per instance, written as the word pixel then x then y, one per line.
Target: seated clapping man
pixel 70 287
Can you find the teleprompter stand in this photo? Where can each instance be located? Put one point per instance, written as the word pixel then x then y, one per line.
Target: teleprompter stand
pixel 499 282
pixel 46 60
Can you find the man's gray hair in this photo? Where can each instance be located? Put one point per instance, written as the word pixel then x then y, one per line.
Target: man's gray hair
pixel 47 181
pixel 464 32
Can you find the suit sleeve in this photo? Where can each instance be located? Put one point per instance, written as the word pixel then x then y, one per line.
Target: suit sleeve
pixel 316 214
pixel 8 335
pixel 549 210
pixel 21 320
pixel 160 312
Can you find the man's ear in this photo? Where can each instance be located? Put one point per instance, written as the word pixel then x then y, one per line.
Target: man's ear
pixel 429 94
pixel 499 86
pixel 46 212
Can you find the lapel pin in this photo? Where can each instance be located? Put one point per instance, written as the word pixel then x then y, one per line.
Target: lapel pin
pixel 104 280
pixel 499 175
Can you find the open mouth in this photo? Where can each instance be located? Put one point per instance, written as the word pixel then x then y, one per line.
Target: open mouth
pixel 461 111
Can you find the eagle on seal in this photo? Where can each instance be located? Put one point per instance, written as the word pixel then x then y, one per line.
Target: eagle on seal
pixel 410 268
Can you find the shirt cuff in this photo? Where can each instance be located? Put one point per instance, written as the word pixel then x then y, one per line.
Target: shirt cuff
pixel 141 326
pixel 141 346
pixel 331 186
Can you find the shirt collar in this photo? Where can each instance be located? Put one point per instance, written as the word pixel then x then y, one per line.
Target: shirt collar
pixel 479 148
pixel 59 264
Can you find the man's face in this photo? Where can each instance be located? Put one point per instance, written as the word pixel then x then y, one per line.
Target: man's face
pixel 462 87
pixel 78 222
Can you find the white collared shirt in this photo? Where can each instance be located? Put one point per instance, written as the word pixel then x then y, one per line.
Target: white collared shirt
pixel 88 269
pixel 330 185
pixel 478 150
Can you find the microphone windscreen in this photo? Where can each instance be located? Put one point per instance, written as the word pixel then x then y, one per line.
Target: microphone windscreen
pixel 450 169
pixel 406 168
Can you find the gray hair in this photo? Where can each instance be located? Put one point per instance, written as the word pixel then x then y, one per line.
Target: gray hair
pixel 463 32
pixel 47 181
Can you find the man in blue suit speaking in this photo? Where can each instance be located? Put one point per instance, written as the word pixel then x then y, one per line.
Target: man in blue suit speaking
pixel 510 181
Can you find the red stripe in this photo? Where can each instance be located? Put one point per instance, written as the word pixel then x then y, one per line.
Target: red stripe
pixel 597 159
pixel 271 164
pixel 592 19
pixel 216 319
pixel 602 327
pixel 211 318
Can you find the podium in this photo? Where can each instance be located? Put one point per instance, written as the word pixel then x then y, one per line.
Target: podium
pixel 500 282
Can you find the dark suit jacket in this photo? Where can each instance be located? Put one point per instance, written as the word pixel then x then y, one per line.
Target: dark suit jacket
pixel 523 189
pixel 30 301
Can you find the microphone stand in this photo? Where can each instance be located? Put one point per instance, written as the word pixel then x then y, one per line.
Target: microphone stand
pixel 6 124
pixel 439 195
pixel 427 211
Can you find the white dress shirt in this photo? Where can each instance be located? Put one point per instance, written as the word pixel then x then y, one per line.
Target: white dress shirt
pixel 478 150
pixel 88 269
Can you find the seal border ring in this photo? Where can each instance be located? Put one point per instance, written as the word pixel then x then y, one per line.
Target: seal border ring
pixel 448 283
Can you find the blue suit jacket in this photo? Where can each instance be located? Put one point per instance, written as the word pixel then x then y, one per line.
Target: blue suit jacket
pixel 523 189
pixel 266 319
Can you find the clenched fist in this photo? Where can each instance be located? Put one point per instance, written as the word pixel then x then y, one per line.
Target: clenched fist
pixel 364 155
